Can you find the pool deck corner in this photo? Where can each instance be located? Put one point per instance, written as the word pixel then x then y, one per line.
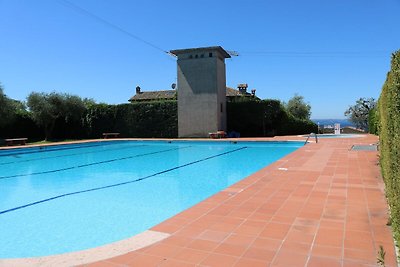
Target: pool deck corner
pixel 322 205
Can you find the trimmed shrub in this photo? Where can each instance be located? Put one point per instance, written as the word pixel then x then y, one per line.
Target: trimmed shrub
pixel 265 118
pixel 373 121
pixel 158 119
pixel 389 133
pixel 22 126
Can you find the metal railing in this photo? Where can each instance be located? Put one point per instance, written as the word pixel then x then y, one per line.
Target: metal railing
pixel 309 136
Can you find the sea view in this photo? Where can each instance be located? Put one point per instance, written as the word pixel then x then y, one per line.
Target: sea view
pixel 343 122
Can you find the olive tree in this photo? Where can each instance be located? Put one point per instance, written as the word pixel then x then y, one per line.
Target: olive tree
pixel 358 113
pixel 47 108
pixel 8 108
pixel 298 107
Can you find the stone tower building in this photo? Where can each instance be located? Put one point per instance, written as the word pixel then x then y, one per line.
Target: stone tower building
pixel 201 91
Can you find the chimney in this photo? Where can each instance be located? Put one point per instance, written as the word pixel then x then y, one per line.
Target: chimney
pixel 253 92
pixel 138 90
pixel 242 88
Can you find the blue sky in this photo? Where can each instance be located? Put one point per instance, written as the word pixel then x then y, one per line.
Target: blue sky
pixel 330 52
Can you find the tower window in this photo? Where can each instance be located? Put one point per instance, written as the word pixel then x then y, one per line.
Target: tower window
pixel 196 56
pixel 210 54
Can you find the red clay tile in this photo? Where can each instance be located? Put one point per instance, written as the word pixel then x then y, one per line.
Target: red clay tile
pixel 275 230
pixel 267 243
pixel 201 244
pixel 146 260
pixel 176 263
pixel 123 259
pixel 218 260
pixel 161 250
pixel 289 258
pixel 216 236
pixel 325 262
pixel 103 264
pixel 259 254
pixel 238 239
pixel 191 255
pixel 329 237
pixel 327 252
pixel 243 262
pixel 232 250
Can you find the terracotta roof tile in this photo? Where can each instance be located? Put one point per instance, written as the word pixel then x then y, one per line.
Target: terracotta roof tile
pixel 171 94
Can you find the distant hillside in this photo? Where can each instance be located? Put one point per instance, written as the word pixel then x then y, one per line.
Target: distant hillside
pixel 343 122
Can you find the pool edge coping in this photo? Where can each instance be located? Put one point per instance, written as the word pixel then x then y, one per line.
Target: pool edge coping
pixel 138 241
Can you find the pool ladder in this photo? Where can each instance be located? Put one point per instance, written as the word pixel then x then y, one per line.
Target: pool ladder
pixel 309 136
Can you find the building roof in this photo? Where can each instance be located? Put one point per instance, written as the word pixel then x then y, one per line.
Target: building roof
pixel 233 92
pixel 171 94
pixel 152 95
pixel 200 49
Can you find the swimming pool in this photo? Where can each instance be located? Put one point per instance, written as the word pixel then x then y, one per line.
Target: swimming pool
pixel 72 197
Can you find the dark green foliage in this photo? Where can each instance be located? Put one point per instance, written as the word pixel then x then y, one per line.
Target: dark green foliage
pixel 373 121
pixel 69 117
pixel 389 133
pixel 298 108
pixel 245 117
pixel 290 125
pixel 98 119
pixel 158 119
pixel 265 118
pixel 47 109
pixel 22 126
pixel 359 113
pixel 8 109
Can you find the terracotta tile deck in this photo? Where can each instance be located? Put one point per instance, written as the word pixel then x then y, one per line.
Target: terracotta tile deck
pixel 322 205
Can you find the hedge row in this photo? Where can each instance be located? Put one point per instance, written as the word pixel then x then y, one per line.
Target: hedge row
pixel 265 118
pixel 150 119
pixel 389 133
pixel 160 120
pixel 373 121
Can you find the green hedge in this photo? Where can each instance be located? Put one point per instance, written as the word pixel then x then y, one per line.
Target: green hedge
pixel 265 118
pixel 160 120
pixel 146 119
pixel 389 133
pixel 22 126
pixel 373 121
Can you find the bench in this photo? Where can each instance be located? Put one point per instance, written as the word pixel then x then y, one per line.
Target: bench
pixel 218 134
pixel 15 141
pixel 110 135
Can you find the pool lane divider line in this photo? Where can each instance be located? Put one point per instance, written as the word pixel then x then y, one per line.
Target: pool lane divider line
pixel 123 183
pixel 50 148
pixel 91 164
pixel 74 154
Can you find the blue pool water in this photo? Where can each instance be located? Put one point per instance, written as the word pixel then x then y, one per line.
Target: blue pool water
pixel 72 197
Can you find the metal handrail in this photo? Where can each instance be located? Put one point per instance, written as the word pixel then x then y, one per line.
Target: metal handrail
pixel 315 135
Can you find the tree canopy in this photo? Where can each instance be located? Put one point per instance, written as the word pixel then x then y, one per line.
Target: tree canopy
pixel 358 113
pixel 47 108
pixel 8 108
pixel 298 108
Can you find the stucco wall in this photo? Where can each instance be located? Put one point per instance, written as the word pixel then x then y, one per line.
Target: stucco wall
pixel 201 92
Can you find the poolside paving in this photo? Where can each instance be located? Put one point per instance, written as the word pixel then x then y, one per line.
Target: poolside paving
pixel 322 205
